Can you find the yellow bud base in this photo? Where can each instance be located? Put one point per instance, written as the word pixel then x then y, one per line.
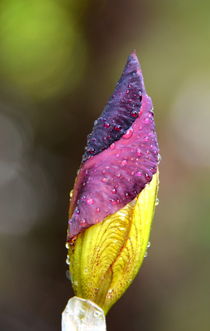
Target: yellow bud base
pixel 106 257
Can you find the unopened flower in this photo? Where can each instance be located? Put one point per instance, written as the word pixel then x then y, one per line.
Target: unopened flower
pixel 114 195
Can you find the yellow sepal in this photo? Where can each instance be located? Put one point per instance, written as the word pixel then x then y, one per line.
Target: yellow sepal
pixel 106 257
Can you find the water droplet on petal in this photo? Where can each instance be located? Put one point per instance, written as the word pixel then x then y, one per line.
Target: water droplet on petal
pixel 146 120
pixel 148 177
pixel 139 152
pixel 157 202
pixel 148 244
pixel 82 222
pixel 159 158
pixel 134 113
pixel 146 138
pixel 128 134
pixel 71 193
pixel 77 211
pixel 146 254
pixel 104 180
pixel 114 190
pixel 117 127
pixel 90 201
pixel 106 125
pixel 98 210
pixel 67 260
pixel 115 202
pixel 67 245
pixel 91 150
pixel 139 174
pixel 112 146
pixel 123 163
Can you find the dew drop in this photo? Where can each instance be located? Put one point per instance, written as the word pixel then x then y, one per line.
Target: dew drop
pixel 91 150
pixel 128 134
pixel 90 201
pixel 139 174
pixel 106 125
pixel 157 202
pixel 115 202
pixel 146 120
pixel 139 152
pixel 77 211
pixel 67 260
pixel 148 177
pixel 104 180
pixel 159 158
pixel 114 190
pixel 146 254
pixel 148 244
pixel 146 138
pixel 67 245
pixel 117 128
pixel 83 222
pixel 123 163
pixel 112 146
pixel 134 113
pixel 71 193
pixel 98 210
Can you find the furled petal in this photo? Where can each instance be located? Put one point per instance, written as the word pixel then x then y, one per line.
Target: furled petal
pixel 106 257
pixel 121 154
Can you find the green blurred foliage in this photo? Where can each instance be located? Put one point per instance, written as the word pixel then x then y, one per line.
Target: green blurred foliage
pixel 40 46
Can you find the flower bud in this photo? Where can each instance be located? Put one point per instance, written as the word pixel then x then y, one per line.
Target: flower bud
pixel 115 193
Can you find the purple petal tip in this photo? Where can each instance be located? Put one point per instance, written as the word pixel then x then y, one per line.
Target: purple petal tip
pixel 121 154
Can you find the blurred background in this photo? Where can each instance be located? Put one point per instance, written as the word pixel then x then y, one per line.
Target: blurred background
pixel 59 63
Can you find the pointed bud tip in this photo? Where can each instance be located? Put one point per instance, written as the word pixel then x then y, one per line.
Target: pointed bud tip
pixel 133 59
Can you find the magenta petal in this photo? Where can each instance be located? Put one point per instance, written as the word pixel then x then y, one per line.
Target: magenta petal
pixel 120 112
pixel 121 168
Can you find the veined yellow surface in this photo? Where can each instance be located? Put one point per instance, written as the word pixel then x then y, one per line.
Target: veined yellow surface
pixel 107 256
